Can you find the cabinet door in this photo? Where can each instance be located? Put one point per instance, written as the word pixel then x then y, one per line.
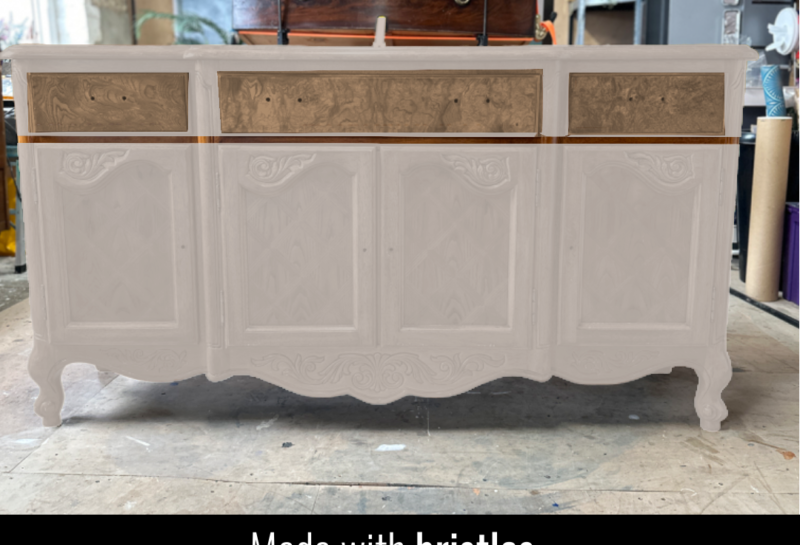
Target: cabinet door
pixel 457 245
pixel 299 252
pixel 118 242
pixel 639 226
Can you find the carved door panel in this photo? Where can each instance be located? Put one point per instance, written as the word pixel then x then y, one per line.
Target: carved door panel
pixel 457 245
pixel 118 242
pixel 638 241
pixel 299 250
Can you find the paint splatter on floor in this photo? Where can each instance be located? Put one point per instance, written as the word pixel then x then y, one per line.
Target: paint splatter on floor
pixel 389 448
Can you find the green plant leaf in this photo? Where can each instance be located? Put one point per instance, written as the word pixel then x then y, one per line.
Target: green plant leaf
pixel 183 24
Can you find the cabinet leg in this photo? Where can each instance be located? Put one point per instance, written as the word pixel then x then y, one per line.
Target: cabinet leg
pixel 46 370
pixel 714 375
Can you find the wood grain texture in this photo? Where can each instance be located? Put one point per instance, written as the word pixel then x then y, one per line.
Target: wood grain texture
pixel 501 101
pixel 666 103
pixel 508 18
pixel 639 244
pixel 300 260
pixel 105 102
pixel 120 233
pixel 454 267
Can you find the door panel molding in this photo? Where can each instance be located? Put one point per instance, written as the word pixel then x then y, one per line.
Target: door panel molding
pixel 457 245
pixel 299 245
pixel 120 243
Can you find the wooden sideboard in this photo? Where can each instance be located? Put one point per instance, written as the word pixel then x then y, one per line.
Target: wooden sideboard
pixel 380 222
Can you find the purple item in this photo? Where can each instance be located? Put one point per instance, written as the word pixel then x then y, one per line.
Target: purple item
pixel 789 269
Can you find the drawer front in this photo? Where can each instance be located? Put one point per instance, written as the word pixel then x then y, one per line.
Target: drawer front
pixel 687 104
pixel 108 102
pixel 496 101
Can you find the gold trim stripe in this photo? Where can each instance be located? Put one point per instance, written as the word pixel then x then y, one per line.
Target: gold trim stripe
pixel 731 140
pixel 644 140
pixel 112 139
pixel 380 139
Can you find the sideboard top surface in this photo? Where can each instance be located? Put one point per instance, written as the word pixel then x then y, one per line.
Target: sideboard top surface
pixel 274 52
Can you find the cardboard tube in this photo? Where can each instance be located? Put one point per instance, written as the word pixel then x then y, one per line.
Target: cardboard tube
pixel 770 173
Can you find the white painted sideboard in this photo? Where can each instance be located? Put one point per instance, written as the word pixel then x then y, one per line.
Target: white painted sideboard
pixel 379 263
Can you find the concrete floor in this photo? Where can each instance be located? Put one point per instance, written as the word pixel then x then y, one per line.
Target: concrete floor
pixel 783 306
pixel 511 446
pixel 13 286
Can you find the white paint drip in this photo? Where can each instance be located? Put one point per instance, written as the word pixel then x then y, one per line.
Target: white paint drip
pixel 633 417
pixel 25 441
pixel 146 445
pixel 266 424
pixel 129 505
pixel 388 448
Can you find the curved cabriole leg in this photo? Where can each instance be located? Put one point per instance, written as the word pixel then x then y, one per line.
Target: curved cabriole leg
pixel 714 375
pixel 46 370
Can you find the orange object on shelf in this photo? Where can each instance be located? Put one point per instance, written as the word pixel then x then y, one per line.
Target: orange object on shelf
pixel 551 29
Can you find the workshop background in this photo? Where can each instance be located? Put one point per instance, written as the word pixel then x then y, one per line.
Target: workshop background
pixel 119 447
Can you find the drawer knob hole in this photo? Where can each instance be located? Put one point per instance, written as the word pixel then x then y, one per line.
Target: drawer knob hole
pixel 487 101
pixel 662 99
pixel 92 98
pixel 456 101
pixel 267 99
pixel 299 100
pixel 630 99
pixel 124 98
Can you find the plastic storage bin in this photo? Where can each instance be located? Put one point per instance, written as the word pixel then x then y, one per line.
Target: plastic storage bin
pixel 789 269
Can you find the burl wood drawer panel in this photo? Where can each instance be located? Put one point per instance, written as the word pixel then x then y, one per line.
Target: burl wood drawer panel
pixel 500 101
pixel 108 102
pixel 665 103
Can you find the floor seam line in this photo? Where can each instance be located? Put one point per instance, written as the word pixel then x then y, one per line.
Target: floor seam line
pixel 396 485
